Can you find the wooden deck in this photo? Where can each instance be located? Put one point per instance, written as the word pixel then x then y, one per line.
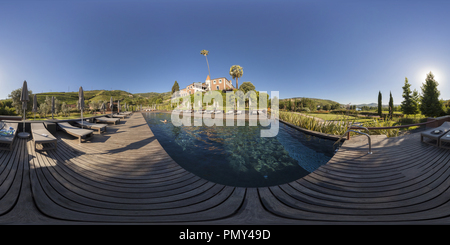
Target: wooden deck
pixel 124 176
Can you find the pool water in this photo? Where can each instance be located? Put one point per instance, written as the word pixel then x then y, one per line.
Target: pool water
pixel 237 155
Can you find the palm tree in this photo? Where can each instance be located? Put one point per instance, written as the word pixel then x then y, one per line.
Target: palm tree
pixel 205 53
pixel 236 72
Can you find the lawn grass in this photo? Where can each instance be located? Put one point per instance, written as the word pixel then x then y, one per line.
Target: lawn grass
pixel 331 117
pixel 301 121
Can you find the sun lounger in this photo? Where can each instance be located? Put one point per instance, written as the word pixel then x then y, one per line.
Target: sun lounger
pixel 126 113
pixel 238 112
pixel 218 112
pixel 229 112
pixel 42 136
pixel 443 140
pixel 7 139
pixel 107 120
pixel 97 126
pixel 119 116
pixel 435 133
pixel 81 133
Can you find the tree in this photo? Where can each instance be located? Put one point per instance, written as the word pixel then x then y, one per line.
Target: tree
pixel 247 86
pixel 407 103
pixel 379 104
pixel 205 53
pixel 15 96
pixel 175 87
pixel 391 105
pixel 309 103
pixel 235 73
pixel 430 105
pixel 65 109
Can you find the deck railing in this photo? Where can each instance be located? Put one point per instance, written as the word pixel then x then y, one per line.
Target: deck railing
pixel 432 120
pixel 392 127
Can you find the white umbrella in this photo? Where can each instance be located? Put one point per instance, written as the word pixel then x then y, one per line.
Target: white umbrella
pixel 103 107
pixel 53 106
pixel 24 98
pixel 111 105
pixel 34 106
pixel 81 103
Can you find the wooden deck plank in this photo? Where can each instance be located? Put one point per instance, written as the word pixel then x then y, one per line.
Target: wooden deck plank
pixel 11 176
pixel 125 176
pixel 86 184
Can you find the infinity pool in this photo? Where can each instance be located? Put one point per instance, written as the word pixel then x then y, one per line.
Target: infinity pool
pixel 238 156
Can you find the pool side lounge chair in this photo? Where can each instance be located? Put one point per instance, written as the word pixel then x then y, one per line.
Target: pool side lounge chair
pixel 443 140
pixel 238 112
pixel 126 113
pixel 229 112
pixel 96 126
pixel 119 116
pixel 218 112
pixel 42 136
pixel 8 140
pixel 81 133
pixel 107 120
pixel 435 133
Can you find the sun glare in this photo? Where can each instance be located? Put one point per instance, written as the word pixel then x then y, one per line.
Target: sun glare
pixel 422 75
pixel 436 73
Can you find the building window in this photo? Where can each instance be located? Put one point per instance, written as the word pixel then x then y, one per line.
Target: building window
pixel 214 81
pixel 217 87
pixel 220 80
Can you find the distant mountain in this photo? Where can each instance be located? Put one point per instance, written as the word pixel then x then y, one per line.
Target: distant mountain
pixel 374 105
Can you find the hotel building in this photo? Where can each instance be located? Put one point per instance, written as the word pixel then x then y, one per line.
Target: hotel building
pixel 220 83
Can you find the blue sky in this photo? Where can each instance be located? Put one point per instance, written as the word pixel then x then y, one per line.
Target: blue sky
pixel 340 50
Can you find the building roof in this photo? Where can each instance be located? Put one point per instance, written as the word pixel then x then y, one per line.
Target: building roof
pixel 208 78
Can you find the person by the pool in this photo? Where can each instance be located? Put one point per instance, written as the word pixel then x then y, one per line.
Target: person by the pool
pixel 164 121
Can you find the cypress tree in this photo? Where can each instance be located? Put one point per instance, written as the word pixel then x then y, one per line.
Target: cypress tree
pixel 430 105
pixel 391 105
pixel 407 103
pixel 415 102
pixel 379 104
pixel 175 87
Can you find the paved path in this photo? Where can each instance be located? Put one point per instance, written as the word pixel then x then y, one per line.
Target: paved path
pixel 125 176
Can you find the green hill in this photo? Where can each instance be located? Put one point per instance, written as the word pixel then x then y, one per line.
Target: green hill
pixel 320 102
pixel 71 98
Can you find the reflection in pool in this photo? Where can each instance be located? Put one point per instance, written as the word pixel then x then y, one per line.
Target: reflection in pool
pixel 238 156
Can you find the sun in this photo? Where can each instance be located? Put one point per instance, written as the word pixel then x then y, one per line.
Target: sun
pixel 422 75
